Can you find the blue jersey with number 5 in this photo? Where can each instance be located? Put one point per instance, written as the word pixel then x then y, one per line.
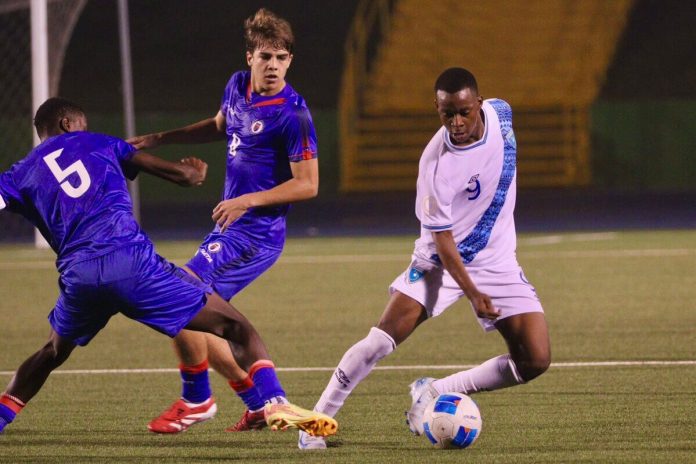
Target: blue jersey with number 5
pixel 73 188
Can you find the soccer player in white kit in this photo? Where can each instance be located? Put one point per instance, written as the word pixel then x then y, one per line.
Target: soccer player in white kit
pixel 465 203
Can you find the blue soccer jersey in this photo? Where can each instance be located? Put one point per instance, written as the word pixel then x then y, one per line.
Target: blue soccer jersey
pixel 264 135
pixel 73 188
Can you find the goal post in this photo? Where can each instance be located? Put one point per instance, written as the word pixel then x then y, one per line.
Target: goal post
pixel 34 36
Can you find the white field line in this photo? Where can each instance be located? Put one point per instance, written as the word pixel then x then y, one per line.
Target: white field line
pixel 554 239
pixel 405 258
pixel 383 368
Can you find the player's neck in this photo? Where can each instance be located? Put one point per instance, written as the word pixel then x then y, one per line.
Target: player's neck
pixel 268 92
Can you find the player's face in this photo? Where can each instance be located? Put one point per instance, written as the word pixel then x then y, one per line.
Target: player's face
pixel 460 113
pixel 268 68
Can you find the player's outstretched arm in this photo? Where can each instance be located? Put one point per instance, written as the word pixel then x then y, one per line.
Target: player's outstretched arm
pixel 207 130
pixel 449 255
pixel 189 172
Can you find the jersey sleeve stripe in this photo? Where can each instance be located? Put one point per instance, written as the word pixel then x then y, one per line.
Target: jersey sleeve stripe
pixel 448 226
pixel 307 154
pixel 3 205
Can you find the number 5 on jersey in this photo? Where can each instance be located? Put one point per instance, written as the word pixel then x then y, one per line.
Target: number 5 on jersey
pixel 61 174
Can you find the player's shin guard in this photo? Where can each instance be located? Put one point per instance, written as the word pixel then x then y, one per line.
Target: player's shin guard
pixel 247 391
pixel 496 373
pixel 265 380
pixel 355 365
pixel 9 408
pixel 195 382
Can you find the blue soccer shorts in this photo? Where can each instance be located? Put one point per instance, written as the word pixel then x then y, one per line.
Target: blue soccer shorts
pixel 134 281
pixel 229 262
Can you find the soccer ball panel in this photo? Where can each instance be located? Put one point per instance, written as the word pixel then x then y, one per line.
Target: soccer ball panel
pixel 452 420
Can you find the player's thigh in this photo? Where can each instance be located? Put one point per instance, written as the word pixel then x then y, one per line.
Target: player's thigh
pixel 417 295
pixel 401 316
pixel 220 318
pixel 231 262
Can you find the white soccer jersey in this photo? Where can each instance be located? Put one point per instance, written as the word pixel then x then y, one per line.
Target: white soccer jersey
pixel 470 190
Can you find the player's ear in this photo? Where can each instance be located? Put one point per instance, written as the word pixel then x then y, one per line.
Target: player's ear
pixel 64 124
pixel 249 56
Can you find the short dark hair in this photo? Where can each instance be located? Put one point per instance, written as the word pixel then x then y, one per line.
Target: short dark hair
pixel 267 28
pixel 452 80
pixel 50 113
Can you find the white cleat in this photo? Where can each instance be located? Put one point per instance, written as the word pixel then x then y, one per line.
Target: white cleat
pixel 422 393
pixel 308 442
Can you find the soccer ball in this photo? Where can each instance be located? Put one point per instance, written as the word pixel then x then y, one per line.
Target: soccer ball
pixel 452 420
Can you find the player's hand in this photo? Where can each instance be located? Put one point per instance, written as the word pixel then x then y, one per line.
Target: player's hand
pixel 142 142
pixel 484 306
pixel 201 168
pixel 228 211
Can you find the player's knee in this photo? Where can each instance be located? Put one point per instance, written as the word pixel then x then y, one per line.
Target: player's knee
pixel 376 345
pixel 236 330
pixel 51 356
pixel 534 366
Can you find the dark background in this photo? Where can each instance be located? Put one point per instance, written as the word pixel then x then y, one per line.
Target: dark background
pixel 184 52
pixel 183 61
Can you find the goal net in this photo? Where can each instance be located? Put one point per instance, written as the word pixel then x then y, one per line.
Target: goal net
pixel 16 108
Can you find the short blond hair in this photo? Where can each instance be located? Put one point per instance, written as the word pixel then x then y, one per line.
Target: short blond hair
pixel 267 28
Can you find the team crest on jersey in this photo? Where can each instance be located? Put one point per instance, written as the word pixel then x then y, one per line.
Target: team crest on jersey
pixel 256 127
pixel 214 247
pixel 414 275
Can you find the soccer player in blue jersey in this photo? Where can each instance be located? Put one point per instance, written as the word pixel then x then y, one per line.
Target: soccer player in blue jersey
pixel 271 162
pixel 72 187
pixel 465 199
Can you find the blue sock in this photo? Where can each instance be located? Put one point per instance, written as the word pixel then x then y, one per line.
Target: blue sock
pixel 248 393
pixel 6 416
pixel 195 383
pixel 265 380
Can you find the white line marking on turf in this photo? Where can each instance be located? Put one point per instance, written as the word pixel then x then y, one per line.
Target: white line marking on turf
pixel 405 258
pixel 380 368
pixel 553 239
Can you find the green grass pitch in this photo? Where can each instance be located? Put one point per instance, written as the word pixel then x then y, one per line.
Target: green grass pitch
pixel 625 297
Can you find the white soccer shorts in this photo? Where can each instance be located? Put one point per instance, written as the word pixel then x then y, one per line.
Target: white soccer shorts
pixel 510 291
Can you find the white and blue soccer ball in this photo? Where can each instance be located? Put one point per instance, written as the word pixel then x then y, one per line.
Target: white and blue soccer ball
pixel 452 420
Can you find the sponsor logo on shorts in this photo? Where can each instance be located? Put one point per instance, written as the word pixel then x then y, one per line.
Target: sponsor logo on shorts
pixel 414 275
pixel 214 247
pixel 256 127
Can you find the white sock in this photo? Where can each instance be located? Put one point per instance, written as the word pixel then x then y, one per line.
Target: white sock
pixel 498 372
pixel 353 368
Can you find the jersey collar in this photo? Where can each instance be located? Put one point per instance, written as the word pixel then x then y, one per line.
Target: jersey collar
pixel 456 148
